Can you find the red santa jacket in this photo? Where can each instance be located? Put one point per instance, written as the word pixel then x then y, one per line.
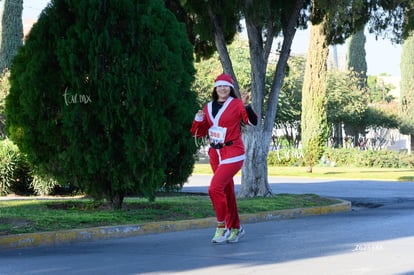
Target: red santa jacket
pixel 226 121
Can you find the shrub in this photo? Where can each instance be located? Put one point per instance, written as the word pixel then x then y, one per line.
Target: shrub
pixel 14 170
pixel 369 158
pixel 43 186
pixel 286 157
pixel 18 176
pixel 350 157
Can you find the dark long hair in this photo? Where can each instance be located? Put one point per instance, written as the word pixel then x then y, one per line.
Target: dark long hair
pixel 214 95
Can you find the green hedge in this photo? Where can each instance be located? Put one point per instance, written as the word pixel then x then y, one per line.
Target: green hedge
pixel 345 157
pixel 286 157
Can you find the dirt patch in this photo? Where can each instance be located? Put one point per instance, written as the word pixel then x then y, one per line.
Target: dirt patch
pixel 103 206
pixel 15 222
pixel 78 206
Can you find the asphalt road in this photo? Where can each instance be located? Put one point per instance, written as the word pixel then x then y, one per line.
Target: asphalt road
pixel 376 237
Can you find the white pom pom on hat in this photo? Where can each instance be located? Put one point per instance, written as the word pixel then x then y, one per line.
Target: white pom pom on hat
pixel 223 80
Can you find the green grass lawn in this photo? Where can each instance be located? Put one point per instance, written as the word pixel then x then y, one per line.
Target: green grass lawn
pixel 26 216
pixel 393 174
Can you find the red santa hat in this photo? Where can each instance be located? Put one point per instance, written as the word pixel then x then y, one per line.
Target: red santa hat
pixel 223 80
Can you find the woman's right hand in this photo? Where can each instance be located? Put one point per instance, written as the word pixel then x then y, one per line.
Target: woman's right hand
pixel 199 115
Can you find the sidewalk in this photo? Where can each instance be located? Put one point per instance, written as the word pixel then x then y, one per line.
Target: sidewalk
pixel 99 233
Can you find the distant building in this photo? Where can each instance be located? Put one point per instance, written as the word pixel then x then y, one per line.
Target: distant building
pixel 336 59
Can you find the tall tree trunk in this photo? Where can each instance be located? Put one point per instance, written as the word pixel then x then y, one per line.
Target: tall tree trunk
pixel 117 200
pixel 314 106
pixel 338 138
pixel 254 172
pixel 11 31
pixel 220 42
pixel 257 140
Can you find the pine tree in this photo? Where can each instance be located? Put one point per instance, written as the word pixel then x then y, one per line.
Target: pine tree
pixel 100 97
pixel 11 31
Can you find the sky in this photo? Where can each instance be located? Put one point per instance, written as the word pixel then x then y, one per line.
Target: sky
pixel 381 55
pixel 33 8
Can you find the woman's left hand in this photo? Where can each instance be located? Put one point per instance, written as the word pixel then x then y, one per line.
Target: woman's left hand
pixel 245 98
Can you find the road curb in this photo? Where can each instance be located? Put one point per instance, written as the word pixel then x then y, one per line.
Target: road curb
pixel 107 232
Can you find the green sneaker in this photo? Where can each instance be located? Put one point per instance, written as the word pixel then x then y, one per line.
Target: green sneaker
pixel 235 235
pixel 221 235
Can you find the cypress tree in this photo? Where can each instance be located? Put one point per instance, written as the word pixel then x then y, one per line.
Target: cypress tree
pixel 100 97
pixel 332 23
pixel 357 56
pixel 406 105
pixel 11 31
pixel 314 119
pixel 357 63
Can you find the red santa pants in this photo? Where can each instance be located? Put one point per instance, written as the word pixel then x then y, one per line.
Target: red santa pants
pixel 222 194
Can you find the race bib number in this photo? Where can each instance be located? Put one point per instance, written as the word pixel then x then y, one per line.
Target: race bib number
pixel 217 134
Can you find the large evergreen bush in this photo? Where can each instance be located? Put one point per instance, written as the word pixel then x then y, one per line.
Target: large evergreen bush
pixel 100 97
